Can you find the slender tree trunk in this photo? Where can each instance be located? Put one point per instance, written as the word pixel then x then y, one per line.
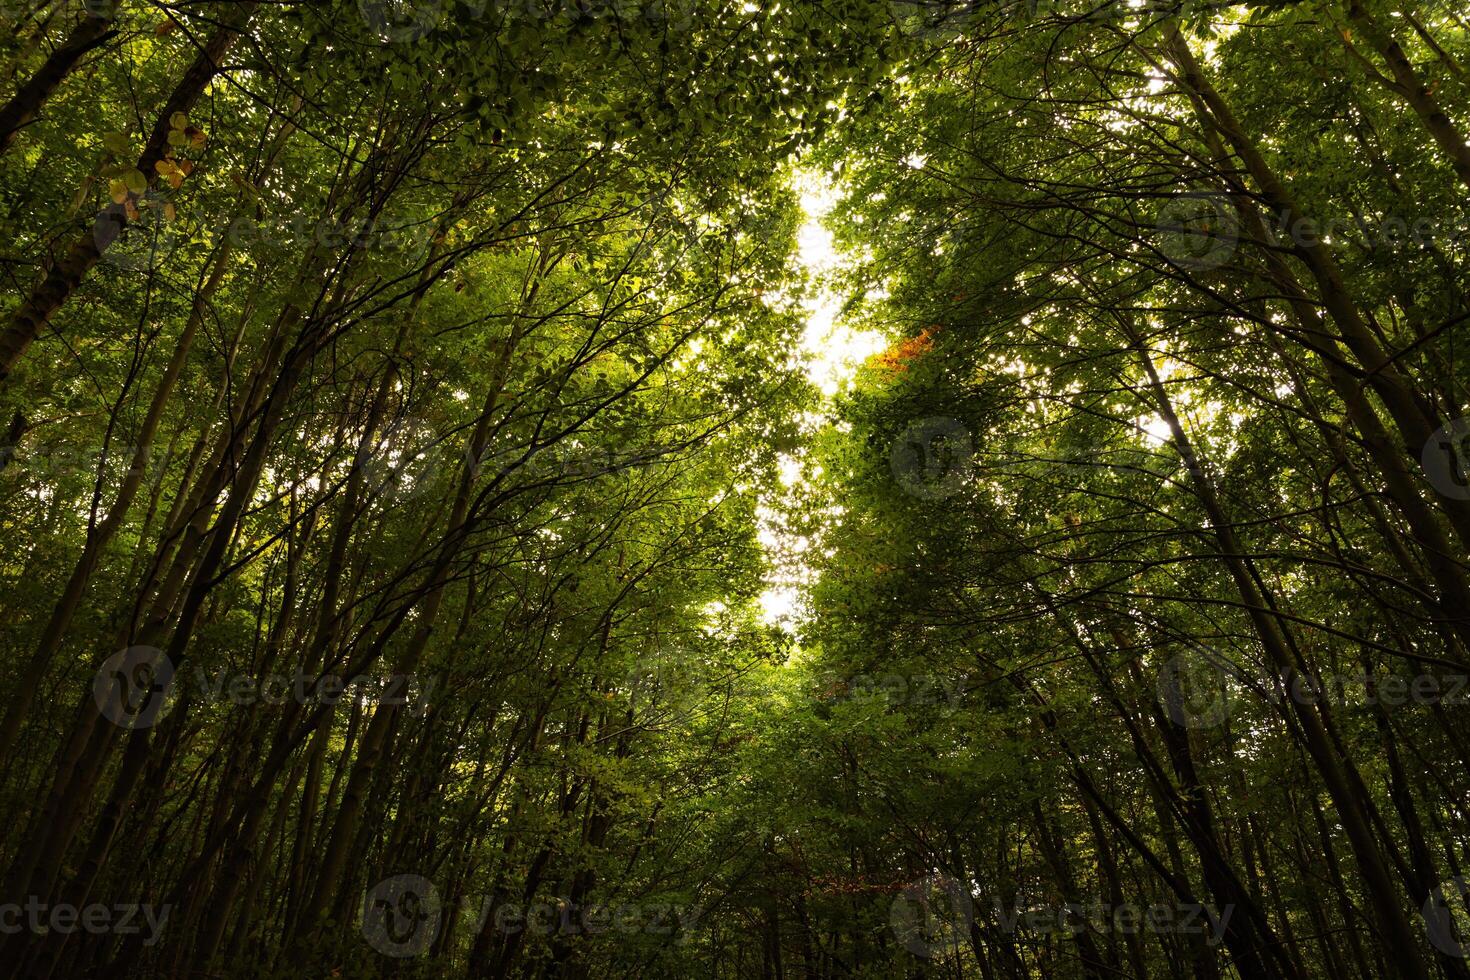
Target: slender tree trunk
pixel 91 32
pixel 65 275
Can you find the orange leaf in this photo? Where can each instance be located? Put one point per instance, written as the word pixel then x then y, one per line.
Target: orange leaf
pixel 896 359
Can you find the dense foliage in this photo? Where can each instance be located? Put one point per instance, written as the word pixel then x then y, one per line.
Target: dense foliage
pixel 404 414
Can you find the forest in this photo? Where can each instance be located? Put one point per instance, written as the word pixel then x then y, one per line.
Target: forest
pixel 596 489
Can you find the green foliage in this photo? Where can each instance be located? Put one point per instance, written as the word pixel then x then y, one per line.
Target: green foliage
pixel 457 349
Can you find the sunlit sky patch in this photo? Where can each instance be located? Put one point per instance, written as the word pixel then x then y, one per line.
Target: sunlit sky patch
pixel 832 351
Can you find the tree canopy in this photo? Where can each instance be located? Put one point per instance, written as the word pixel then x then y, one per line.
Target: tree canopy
pixel 432 548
